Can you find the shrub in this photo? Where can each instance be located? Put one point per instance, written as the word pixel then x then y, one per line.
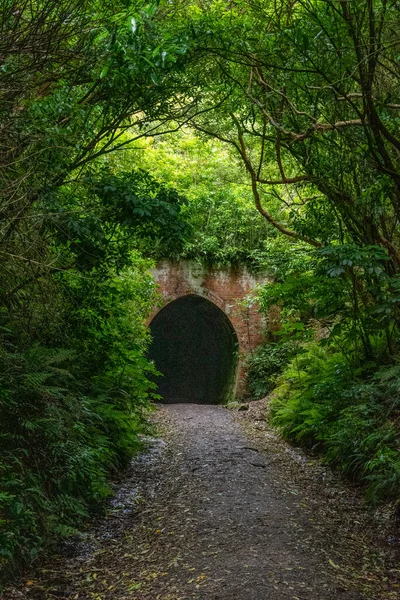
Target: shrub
pixel 264 366
pixel 70 416
pixel 327 405
pixel 57 449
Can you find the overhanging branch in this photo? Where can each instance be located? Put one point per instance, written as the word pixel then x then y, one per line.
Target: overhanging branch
pixel 256 194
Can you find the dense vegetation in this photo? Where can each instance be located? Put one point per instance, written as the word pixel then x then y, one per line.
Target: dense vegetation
pixel 263 132
pixel 336 381
pixel 74 286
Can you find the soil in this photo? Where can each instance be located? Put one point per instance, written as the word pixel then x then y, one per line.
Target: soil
pixel 220 508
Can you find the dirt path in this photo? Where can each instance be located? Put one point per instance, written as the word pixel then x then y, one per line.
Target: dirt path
pixel 207 515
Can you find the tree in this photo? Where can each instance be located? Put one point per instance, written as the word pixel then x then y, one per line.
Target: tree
pixel 310 104
pixel 74 290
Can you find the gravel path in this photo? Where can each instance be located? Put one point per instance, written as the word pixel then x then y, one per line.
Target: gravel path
pixel 239 529
pixel 203 515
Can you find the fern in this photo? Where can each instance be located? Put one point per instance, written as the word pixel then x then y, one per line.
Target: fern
pixel 322 404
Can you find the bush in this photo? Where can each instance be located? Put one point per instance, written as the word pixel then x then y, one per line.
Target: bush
pixel 325 404
pixel 265 365
pixel 70 416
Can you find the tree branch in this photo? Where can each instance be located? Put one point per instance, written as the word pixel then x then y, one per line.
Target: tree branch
pixel 256 194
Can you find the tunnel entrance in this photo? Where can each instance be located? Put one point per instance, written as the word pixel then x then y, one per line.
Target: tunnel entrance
pixel 195 347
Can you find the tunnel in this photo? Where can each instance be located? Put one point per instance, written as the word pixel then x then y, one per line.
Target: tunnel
pixel 195 348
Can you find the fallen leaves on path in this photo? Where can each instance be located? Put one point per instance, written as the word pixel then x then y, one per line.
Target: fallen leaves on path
pixel 212 513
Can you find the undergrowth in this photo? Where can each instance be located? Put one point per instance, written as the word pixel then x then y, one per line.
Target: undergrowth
pixel 349 415
pixel 264 366
pixel 70 416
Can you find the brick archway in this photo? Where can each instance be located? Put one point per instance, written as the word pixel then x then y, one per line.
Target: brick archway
pixel 229 289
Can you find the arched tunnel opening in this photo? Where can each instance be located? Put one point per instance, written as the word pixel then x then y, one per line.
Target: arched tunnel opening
pixel 195 347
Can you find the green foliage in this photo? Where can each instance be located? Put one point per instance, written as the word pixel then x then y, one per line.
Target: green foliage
pixel 99 220
pixel 346 291
pixel 345 414
pixel 316 128
pixel 151 209
pixel 225 227
pixel 54 451
pixel 265 365
pixel 71 415
pixel 339 395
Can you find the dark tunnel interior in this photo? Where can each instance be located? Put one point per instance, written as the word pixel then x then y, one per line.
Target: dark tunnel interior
pixel 195 347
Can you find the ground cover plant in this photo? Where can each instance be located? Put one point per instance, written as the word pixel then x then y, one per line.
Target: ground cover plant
pixel 351 420
pixel 338 394
pixel 265 365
